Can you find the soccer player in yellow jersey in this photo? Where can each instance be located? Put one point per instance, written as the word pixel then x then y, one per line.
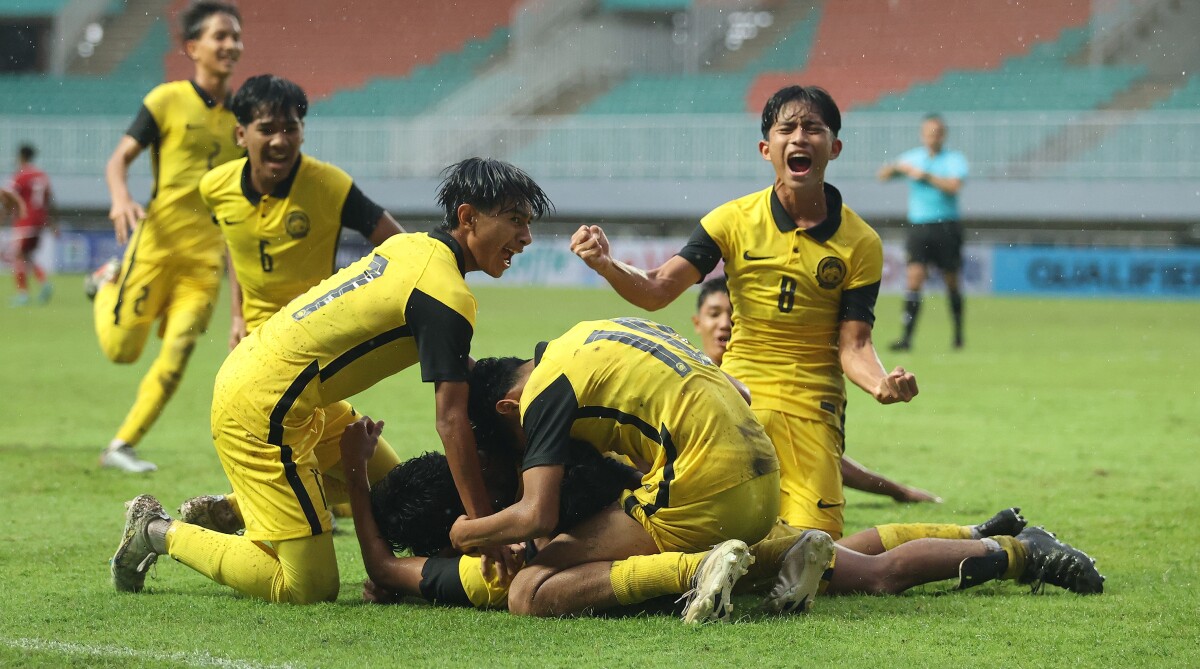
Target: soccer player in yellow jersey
pixel 634 388
pixel 281 214
pixel 713 321
pixel 804 272
pixel 171 268
pixel 406 303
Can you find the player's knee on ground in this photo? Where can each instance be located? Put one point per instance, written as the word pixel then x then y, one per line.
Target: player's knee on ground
pixel 523 592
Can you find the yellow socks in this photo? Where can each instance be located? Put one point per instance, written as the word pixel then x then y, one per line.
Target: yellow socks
pixel 642 577
pixel 894 534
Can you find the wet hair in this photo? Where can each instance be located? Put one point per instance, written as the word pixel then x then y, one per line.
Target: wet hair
pixel 488 185
pixel 489 381
pixel 27 152
pixel 717 284
pixel 817 99
pixel 933 116
pixel 191 22
pixel 268 95
pixel 416 503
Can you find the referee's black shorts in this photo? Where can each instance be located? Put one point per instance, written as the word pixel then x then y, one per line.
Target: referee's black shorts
pixel 938 244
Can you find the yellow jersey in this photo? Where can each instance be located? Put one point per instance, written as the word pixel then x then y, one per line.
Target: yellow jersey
pixel 188 133
pixel 284 242
pixel 790 289
pixel 636 388
pixel 404 303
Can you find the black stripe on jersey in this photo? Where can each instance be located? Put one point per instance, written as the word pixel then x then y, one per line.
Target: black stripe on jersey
pixel 360 213
pixel 275 438
pixel 642 344
pixel 701 251
pixel 137 234
pixel 666 334
pixel 660 436
pixel 364 348
pixel 144 129
pixel 858 304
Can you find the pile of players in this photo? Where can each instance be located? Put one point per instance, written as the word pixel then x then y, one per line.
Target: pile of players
pixel 611 466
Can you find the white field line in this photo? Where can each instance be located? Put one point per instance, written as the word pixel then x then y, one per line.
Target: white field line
pixel 193 658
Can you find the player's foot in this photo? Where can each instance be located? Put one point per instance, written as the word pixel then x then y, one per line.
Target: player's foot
pixel 800 576
pixel 1007 522
pixel 135 555
pixel 212 512
pixel 46 293
pixel 106 273
pixel 958 341
pixel 20 300
pixel 126 459
pixel 1049 560
pixel 710 596
pixel 900 345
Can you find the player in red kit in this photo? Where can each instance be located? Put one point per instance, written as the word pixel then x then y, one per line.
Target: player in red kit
pixel 33 187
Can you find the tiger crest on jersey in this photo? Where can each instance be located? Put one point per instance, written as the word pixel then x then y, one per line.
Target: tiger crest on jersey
pixel 830 272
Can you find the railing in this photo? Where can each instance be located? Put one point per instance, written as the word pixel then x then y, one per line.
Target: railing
pixel 1160 145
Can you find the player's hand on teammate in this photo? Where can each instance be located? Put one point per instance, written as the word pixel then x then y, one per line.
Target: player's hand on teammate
pixel 502 561
pixel 125 216
pixel 899 386
pixel 358 442
pixel 591 244
pixel 237 331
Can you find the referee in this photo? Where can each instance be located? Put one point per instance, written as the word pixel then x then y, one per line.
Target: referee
pixel 935 177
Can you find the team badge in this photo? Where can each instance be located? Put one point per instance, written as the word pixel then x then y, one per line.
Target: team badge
pixel 830 272
pixel 297 224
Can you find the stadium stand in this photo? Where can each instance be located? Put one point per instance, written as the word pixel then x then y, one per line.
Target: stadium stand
pixel 866 48
pixel 361 41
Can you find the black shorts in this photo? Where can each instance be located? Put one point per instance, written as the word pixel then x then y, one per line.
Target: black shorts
pixel 937 244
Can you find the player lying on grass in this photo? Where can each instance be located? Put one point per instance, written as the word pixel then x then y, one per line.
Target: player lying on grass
pixel 413 508
pixel 713 321
pixel 622 385
pixel 404 304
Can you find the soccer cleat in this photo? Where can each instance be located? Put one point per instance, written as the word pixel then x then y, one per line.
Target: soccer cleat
pixel 106 273
pixel 712 586
pixel 20 300
pixel 136 555
pixel 1049 560
pixel 126 459
pixel 1008 522
pixel 901 345
pixel 46 293
pixel 800 576
pixel 212 512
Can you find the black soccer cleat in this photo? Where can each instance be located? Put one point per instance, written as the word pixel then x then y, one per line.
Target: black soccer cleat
pixel 1008 522
pixel 900 345
pixel 1049 560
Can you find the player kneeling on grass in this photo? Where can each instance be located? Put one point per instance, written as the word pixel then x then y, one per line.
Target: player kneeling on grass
pixel 406 303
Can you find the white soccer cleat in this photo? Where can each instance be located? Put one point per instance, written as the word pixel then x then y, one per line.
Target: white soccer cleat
pixel 126 459
pixel 800 575
pixel 212 512
pixel 106 273
pixel 135 554
pixel 710 598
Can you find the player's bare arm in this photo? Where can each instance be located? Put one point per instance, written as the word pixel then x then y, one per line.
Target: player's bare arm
pixel 13 204
pixel 861 365
pixel 534 516
pixel 384 228
pixel 648 289
pixel 385 572
pixel 125 212
pixel 454 428
pixel 856 476
pixel 237 320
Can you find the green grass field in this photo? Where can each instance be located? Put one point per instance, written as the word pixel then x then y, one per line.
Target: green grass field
pixel 1084 413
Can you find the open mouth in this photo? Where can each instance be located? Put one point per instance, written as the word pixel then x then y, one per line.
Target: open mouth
pixel 507 255
pixel 799 164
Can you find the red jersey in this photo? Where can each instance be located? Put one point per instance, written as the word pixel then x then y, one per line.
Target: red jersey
pixel 33 187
